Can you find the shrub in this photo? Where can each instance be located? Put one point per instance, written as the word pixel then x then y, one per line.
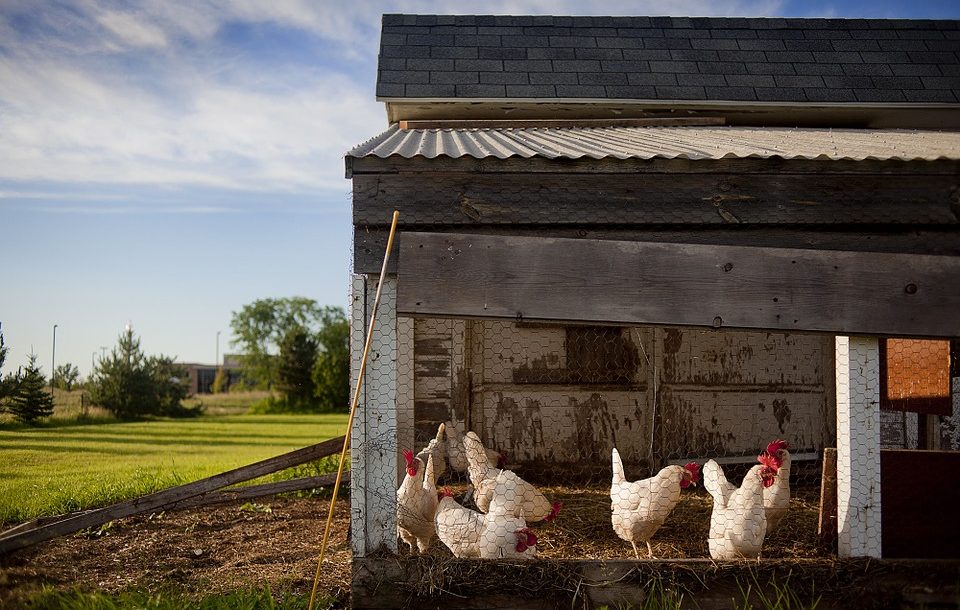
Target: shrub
pixel 31 400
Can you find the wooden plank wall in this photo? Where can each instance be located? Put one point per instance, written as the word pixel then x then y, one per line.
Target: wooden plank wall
pixel 717 392
pixel 657 283
pixel 881 206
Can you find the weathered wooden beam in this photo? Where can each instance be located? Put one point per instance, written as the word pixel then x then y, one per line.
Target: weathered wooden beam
pixel 827 522
pixel 440 581
pixel 656 199
pixel 619 282
pixel 166 497
pixel 370 242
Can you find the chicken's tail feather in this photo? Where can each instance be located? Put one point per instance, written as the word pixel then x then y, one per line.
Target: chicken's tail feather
pixel 618 475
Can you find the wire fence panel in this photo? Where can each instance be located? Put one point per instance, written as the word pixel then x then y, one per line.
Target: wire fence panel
pixel 519 440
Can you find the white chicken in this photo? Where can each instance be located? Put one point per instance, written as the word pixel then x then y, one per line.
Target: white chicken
pixel 505 535
pixel 417 504
pixel 521 498
pixel 496 535
pixel 776 498
pixel 738 523
pixel 436 448
pixel 458 527
pixel 640 507
pixel 457 454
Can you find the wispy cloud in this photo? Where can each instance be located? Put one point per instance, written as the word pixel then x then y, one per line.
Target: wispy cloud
pixel 163 93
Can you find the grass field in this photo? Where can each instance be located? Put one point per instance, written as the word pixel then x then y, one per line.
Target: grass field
pixel 69 466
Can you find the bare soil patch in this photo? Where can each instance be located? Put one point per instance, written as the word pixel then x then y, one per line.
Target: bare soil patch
pixel 207 550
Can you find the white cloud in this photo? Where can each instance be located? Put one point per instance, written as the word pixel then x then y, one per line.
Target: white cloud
pixel 132 29
pixel 152 94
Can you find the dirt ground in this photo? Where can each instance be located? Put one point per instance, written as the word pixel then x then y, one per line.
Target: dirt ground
pixel 274 542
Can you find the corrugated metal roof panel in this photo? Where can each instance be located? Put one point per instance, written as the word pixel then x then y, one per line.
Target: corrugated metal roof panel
pixel 696 143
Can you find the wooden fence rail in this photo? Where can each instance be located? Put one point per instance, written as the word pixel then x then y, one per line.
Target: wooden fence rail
pixel 43 529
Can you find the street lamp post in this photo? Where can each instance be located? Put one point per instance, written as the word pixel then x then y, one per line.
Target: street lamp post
pixel 53 358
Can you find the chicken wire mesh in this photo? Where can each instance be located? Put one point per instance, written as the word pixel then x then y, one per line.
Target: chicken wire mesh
pixel 655 441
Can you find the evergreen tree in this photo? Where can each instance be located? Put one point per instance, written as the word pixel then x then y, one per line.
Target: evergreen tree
pixel 3 383
pixel 298 353
pixel 32 400
pixel 131 385
pixel 7 383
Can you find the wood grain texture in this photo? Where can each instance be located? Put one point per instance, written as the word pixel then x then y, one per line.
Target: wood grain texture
pixel 534 278
pixel 646 199
pixel 369 243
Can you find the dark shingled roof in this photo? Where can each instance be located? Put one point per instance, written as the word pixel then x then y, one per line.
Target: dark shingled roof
pixel 669 58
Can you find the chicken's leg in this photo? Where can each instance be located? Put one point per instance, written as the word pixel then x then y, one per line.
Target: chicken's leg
pixel 635 551
pixel 650 550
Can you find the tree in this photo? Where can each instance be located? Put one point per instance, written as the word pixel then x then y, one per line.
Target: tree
pixel 221 381
pixel 32 400
pixel 298 353
pixel 331 372
pixel 130 384
pixel 66 376
pixel 8 383
pixel 258 329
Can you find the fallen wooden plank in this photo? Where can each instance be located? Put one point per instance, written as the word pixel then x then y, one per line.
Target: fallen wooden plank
pixel 258 491
pixel 166 497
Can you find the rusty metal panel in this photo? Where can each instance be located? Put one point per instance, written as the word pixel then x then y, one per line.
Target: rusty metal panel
pixel 915 376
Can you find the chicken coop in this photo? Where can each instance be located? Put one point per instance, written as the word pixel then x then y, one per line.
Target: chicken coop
pixel 662 241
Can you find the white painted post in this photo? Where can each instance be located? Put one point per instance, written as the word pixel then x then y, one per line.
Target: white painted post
pixel 858 446
pixel 405 394
pixel 373 447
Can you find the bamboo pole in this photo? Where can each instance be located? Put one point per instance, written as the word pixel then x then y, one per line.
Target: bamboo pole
pixel 353 407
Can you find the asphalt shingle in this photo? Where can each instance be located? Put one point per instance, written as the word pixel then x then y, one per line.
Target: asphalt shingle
pixel 669 58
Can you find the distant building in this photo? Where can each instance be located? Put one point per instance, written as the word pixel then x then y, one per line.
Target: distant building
pixel 203 375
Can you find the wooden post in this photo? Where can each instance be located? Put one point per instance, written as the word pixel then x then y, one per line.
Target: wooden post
pixel 373 491
pixel 827 526
pixel 858 447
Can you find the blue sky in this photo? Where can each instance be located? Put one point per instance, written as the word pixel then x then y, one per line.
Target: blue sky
pixel 164 163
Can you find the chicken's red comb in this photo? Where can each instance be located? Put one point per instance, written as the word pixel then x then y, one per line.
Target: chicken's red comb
pixel 531 538
pixel 775 447
pixel 408 455
pixel 554 511
pixel 770 460
pixel 694 470
pixel 446 493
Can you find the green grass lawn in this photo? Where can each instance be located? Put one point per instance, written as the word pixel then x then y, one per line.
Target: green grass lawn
pixel 63 468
